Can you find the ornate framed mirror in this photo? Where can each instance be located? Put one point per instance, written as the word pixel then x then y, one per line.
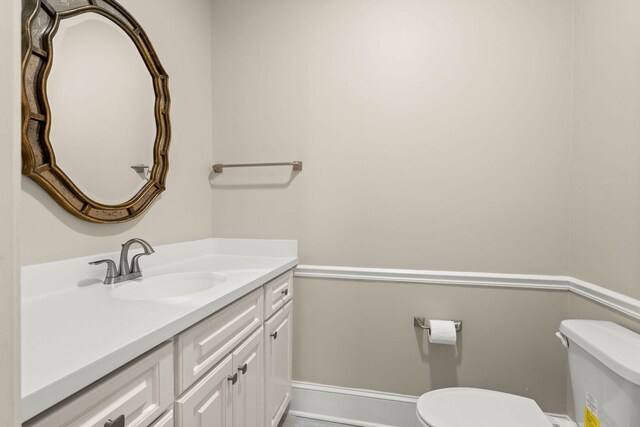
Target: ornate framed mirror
pixel 95 109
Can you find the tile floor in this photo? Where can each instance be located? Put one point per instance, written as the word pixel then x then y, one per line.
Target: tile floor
pixel 291 421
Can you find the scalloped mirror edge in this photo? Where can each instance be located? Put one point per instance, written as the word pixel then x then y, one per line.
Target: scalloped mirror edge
pixel 41 19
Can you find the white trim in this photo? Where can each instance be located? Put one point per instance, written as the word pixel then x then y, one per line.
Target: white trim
pixel 356 407
pixel 619 302
pixel 370 394
pixel 607 297
pixel 433 277
pixel 364 408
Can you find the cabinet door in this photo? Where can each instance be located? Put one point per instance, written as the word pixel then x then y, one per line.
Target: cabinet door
pixel 248 392
pixel 277 336
pixel 209 402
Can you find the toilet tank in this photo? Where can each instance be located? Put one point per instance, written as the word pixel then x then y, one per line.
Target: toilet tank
pixel 604 363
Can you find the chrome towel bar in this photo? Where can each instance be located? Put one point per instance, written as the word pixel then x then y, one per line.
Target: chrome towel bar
pixel 219 167
pixel 421 323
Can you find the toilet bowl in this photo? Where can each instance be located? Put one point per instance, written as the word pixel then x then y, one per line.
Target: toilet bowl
pixel 465 407
pixel 605 374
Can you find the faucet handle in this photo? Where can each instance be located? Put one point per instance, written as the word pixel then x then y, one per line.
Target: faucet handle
pixel 135 262
pixel 112 270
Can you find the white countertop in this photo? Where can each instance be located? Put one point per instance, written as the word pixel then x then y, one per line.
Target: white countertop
pixel 74 331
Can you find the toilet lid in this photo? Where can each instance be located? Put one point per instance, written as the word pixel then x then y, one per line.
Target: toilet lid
pixel 466 407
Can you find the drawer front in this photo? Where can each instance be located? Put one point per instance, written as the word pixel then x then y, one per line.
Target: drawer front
pixel 165 421
pixel 277 293
pixel 201 347
pixel 141 392
pixel 209 403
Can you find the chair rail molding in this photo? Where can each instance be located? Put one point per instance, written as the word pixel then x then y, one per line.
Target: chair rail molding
pixel 614 300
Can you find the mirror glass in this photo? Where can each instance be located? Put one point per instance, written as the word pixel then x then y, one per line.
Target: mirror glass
pixel 102 102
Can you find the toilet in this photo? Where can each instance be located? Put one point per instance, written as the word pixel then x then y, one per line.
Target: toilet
pixel 604 365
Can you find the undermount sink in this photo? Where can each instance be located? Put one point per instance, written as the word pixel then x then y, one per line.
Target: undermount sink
pixel 168 286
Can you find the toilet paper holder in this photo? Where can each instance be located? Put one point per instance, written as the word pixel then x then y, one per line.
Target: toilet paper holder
pixel 420 322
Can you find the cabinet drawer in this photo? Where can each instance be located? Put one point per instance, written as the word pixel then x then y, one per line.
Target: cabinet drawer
pixel 141 392
pixel 277 293
pixel 199 348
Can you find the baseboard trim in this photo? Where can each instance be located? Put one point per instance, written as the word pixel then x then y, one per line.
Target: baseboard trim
pixel 357 407
pixel 614 300
pixel 363 408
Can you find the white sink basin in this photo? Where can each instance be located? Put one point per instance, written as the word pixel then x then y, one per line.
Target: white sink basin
pixel 168 286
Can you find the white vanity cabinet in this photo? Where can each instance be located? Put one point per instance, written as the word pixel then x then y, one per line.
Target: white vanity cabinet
pixel 251 387
pixel 232 369
pixel 231 394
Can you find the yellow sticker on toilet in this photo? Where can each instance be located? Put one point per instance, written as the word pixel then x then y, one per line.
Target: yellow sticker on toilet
pixel 590 420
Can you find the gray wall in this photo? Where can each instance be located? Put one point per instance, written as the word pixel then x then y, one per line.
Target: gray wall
pixel 605 171
pixel 9 194
pixel 360 334
pixel 435 135
pixel 605 174
pixel 181 35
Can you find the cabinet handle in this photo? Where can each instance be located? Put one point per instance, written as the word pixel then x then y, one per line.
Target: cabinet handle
pixel 285 292
pixel 233 378
pixel 275 335
pixel 118 422
pixel 243 369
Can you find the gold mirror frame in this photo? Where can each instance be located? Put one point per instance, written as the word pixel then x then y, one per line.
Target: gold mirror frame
pixel 41 19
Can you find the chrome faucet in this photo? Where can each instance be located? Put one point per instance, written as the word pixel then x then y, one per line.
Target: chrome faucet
pixel 125 272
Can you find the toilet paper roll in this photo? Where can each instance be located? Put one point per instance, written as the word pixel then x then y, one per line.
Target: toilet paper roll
pixel 442 332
